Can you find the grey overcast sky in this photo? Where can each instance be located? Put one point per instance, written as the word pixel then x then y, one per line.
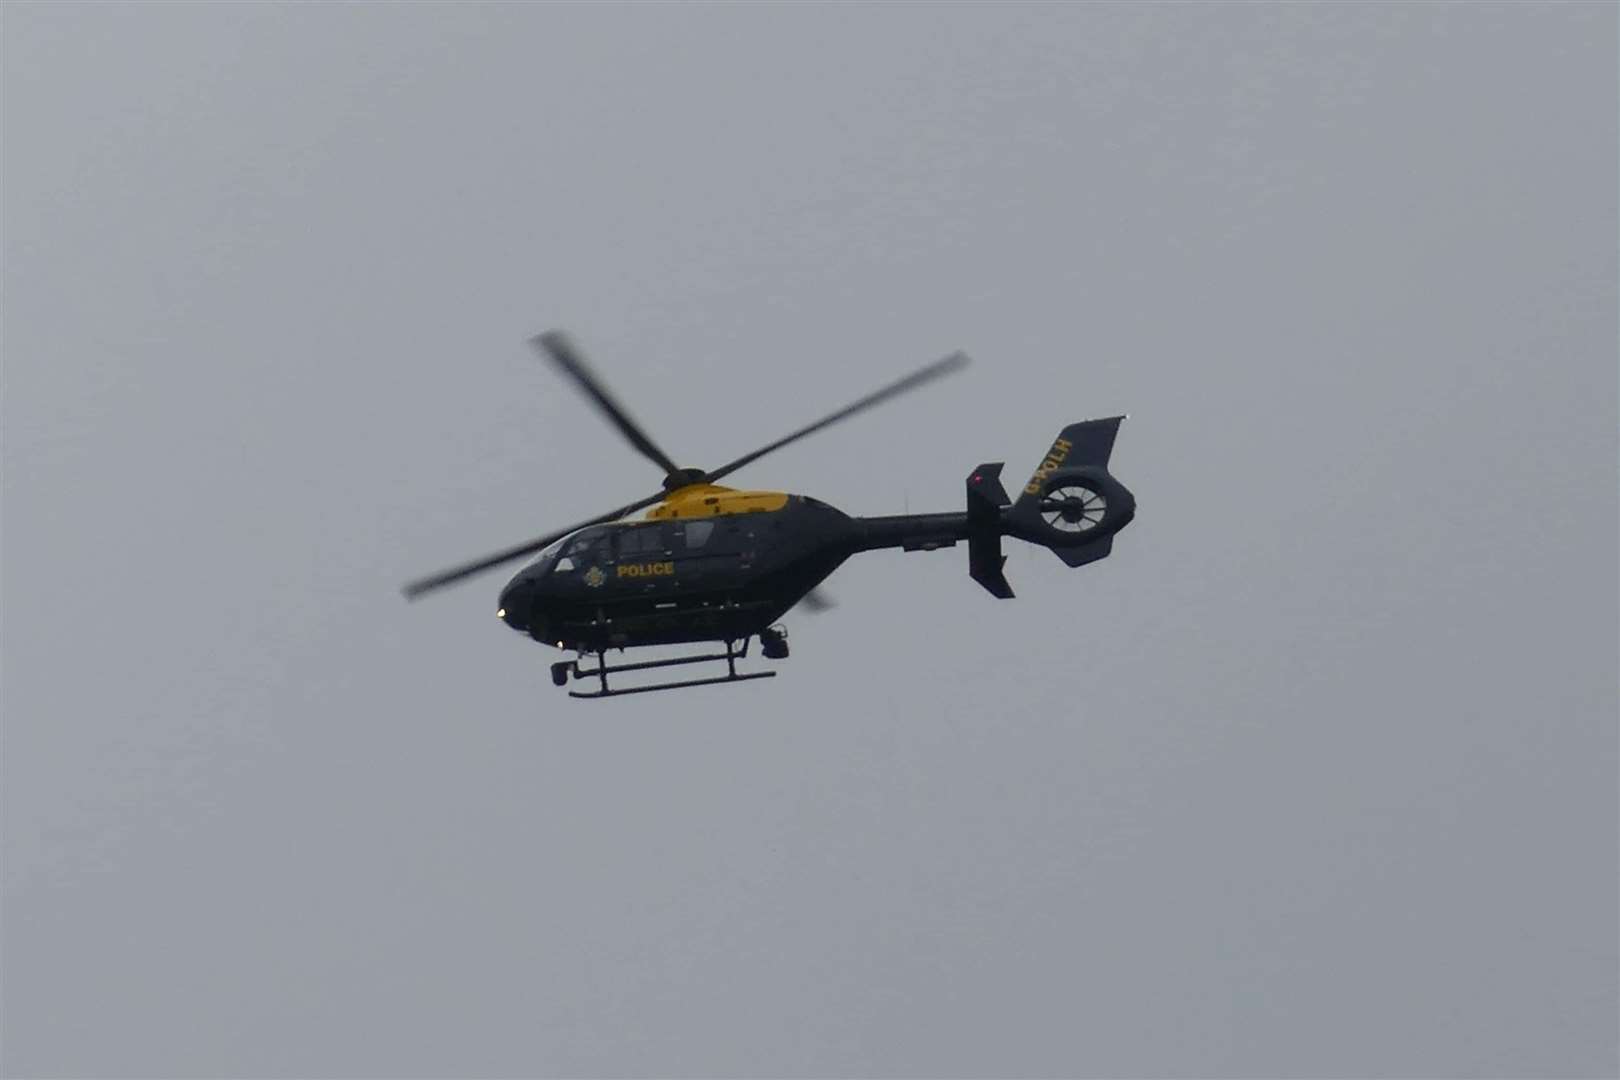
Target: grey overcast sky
pixel 1316 776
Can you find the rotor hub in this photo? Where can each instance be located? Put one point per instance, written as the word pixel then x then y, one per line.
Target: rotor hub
pixel 684 478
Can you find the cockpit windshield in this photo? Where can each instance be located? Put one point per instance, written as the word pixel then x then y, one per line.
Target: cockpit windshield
pixel 548 555
pixel 571 552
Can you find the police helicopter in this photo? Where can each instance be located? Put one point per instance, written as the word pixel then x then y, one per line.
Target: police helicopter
pixel 717 565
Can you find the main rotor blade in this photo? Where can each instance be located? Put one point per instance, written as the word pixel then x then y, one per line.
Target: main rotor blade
pixel 954 362
pixel 555 345
pixel 449 577
pixel 816 601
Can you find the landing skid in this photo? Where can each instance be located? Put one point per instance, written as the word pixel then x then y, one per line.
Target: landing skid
pixel 562 672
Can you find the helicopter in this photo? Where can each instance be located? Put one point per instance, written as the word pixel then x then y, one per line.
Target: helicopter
pixel 716 565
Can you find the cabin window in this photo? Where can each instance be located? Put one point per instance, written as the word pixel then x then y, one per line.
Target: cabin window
pixel 642 540
pixel 697 533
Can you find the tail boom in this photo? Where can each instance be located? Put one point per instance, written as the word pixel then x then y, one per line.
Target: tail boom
pixel 1071 505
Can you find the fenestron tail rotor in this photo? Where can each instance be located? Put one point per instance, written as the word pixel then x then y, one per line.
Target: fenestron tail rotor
pixel 556 346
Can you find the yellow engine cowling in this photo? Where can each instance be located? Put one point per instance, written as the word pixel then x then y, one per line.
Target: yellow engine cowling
pixel 712 500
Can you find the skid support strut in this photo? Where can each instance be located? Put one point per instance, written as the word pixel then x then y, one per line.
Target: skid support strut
pixel 603 669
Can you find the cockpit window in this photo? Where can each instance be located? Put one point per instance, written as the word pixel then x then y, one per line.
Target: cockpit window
pixel 548 555
pixel 571 554
pixel 583 544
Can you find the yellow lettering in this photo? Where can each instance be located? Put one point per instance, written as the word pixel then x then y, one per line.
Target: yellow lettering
pixel 1054 460
pixel 653 569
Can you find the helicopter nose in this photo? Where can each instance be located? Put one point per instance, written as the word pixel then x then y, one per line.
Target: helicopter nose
pixel 517 604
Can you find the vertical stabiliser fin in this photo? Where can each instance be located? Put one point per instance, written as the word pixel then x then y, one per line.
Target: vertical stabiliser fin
pixel 985 498
pixel 1090 442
